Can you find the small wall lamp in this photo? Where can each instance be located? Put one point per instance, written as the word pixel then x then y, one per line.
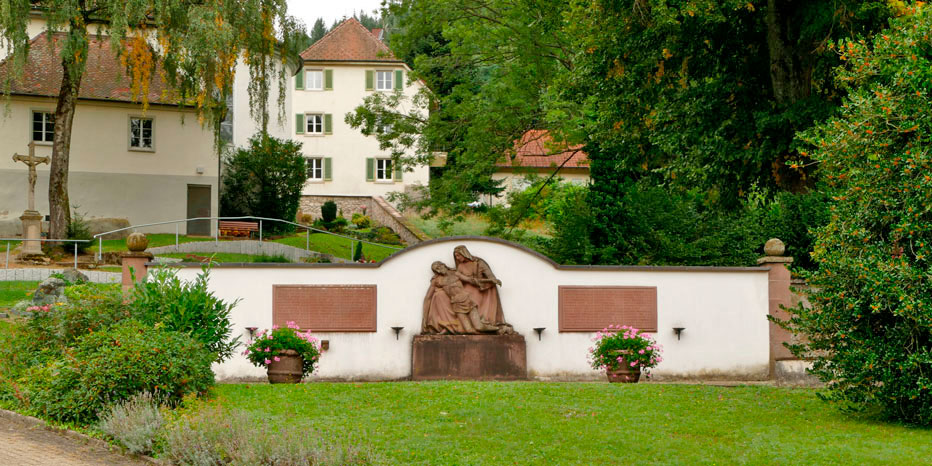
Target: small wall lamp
pixel 678 331
pixel 252 332
pixel 539 330
pixel 324 345
pixel 397 331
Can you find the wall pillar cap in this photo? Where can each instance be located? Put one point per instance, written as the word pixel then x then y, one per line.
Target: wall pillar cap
pixel 774 260
pixel 137 255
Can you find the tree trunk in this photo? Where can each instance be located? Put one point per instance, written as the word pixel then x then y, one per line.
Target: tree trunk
pixel 59 205
pixel 790 61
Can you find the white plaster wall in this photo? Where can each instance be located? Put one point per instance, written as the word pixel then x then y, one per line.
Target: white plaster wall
pixel 518 182
pixel 723 310
pixel 347 146
pixel 244 126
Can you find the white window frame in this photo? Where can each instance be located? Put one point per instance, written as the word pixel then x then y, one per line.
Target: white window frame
pixel 383 84
pixel 315 166
pixel 309 83
pixel 141 148
pixel 383 167
pixel 308 118
pixel 46 116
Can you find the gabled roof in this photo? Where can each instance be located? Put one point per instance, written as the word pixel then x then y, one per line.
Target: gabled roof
pixel 104 78
pixel 377 32
pixel 537 149
pixel 349 41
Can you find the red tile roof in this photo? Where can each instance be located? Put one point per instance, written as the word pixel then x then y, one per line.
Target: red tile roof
pixel 349 41
pixel 377 32
pixel 104 78
pixel 538 150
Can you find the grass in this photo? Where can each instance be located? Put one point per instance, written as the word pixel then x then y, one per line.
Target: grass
pixel 335 245
pixel 582 423
pixel 473 224
pixel 13 292
pixel 155 240
pixel 222 257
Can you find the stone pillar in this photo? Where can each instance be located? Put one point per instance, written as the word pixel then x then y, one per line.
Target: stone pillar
pixel 779 295
pixel 32 229
pixel 134 261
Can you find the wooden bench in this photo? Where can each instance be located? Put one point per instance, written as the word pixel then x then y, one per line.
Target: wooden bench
pixel 196 258
pixel 234 228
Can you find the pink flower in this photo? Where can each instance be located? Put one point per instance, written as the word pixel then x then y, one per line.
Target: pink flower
pixel 276 358
pixel 268 350
pixel 267 361
pixel 633 363
pixel 274 327
pixel 271 337
pixel 246 353
pixel 641 352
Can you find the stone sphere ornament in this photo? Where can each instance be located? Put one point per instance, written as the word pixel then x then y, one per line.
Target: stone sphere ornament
pixel 137 242
pixel 774 247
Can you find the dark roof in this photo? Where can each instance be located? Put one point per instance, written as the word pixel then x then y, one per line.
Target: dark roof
pixel 349 41
pixel 537 149
pixel 104 78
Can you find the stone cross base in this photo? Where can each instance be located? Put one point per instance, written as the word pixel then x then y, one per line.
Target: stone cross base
pixel 469 357
pixel 32 230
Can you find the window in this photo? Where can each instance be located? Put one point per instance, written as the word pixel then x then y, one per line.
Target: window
pixel 315 169
pixel 315 80
pixel 383 80
pixel 43 126
pixel 140 133
pixel 383 169
pixel 315 123
pixel 382 126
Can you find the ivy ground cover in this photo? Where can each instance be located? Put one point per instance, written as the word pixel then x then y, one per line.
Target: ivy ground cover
pixel 581 423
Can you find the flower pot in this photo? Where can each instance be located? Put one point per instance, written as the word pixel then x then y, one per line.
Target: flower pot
pixel 288 369
pixel 625 374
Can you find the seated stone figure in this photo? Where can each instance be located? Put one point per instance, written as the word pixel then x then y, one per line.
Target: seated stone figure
pixel 449 308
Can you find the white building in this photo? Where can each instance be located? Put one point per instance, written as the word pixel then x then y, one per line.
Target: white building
pixel 340 70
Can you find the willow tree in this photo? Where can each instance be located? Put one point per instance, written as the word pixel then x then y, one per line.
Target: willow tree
pixel 195 42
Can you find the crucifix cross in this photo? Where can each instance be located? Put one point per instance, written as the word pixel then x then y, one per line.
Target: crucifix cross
pixel 31 161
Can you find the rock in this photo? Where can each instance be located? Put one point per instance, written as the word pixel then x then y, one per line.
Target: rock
pixel 50 291
pixel 19 309
pixel 112 257
pixel 73 276
pixel 774 247
pixel 137 242
pixel 4 315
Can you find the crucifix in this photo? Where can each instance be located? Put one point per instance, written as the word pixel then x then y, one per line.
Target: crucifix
pixel 31 161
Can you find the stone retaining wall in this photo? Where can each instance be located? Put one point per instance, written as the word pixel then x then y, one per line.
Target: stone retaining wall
pixel 377 208
pixel 250 247
pixel 37 275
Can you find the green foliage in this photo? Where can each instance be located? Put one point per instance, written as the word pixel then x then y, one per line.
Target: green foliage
pixel 87 308
pixel 264 180
pixel 624 347
pixel 115 364
pixel 164 300
pixel 870 326
pixel 78 229
pixel 361 220
pixel 357 253
pixel 328 211
pixel 134 423
pixel 279 259
pixel 270 344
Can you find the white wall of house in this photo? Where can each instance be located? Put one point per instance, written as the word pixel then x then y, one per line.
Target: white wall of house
pixel 723 311
pixel 518 181
pixel 347 148
pixel 281 120
pixel 108 178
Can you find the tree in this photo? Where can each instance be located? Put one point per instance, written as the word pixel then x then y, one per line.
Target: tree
pixel 264 180
pixel 318 31
pixel 196 43
pixel 870 324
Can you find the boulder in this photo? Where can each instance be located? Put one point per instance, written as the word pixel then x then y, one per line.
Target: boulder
pixel 73 276
pixel 50 291
pixel 100 225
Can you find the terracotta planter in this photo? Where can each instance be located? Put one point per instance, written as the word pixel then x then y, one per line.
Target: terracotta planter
pixel 624 374
pixel 288 369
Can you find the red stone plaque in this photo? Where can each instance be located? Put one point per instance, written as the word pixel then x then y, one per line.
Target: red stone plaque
pixel 325 308
pixel 592 308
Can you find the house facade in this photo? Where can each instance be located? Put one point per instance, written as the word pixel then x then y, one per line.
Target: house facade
pixel 339 71
pixel 536 154
pixel 146 165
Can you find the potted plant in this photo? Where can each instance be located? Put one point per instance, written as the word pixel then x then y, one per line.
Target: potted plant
pixel 623 352
pixel 288 353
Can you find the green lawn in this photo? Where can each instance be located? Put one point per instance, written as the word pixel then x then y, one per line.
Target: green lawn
pixel 220 257
pixel 335 245
pixel 155 240
pixel 13 292
pixel 583 423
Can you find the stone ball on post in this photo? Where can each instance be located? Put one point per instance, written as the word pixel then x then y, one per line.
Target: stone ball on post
pixel 774 247
pixel 137 242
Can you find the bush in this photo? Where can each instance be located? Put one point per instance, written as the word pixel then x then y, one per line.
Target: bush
pixel 361 220
pixel 328 211
pixel 77 228
pixel 279 259
pixel 264 180
pixel 357 253
pixel 385 235
pixel 133 423
pixel 190 308
pixel 113 365
pixel 87 308
pixel 869 329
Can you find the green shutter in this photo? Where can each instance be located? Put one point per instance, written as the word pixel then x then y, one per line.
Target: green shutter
pixel 397 171
pixel 299 123
pixel 328 169
pixel 370 169
pixel 399 80
pixel 328 123
pixel 299 80
pixel 328 80
pixel 370 80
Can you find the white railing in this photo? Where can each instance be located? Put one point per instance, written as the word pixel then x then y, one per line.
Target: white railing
pixel 75 241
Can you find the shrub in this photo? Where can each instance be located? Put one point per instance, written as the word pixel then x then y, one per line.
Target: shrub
pixel 357 252
pixel 305 219
pixel 280 259
pixel 190 308
pixel 385 235
pixel 264 180
pixel 134 423
pixel 869 329
pixel 623 345
pixel 270 344
pixel 361 220
pixel 115 364
pixel 328 211
pixel 77 228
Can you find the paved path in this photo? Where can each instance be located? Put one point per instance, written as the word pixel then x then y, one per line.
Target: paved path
pixel 25 444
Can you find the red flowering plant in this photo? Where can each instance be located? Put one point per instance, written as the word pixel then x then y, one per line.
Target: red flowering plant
pixel 271 344
pixel 624 346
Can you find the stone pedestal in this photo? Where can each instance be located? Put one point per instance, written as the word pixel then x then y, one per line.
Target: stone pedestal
pixel 780 296
pixel 134 266
pixel 32 230
pixel 469 357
